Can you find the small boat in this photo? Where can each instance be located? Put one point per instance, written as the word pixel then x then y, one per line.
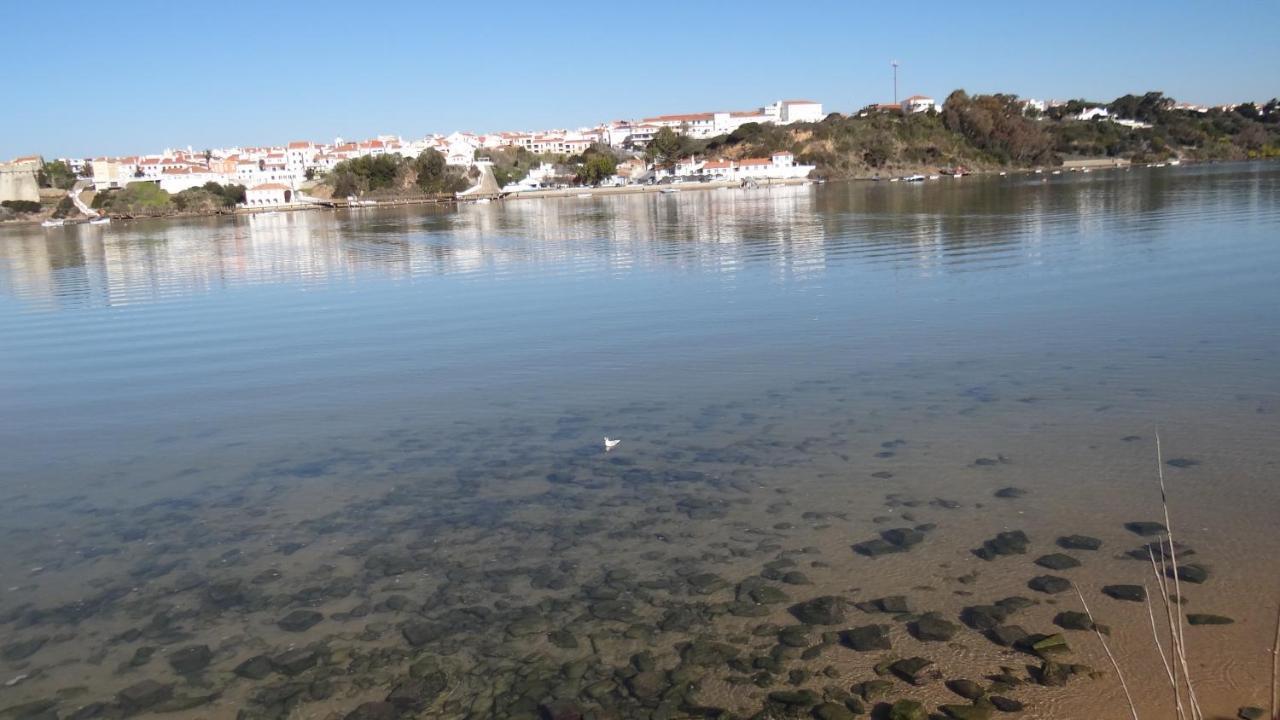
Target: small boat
pixel 895 179
pixel 1175 162
pixel 1003 173
pixel 933 177
pixel 669 191
pixel 583 195
pixel 913 178
pixel 1057 172
pixel 100 221
pixel 53 223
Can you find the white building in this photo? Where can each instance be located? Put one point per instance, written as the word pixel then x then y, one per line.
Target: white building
pixel 1031 104
pixel 175 180
pixel 794 111
pixel 110 174
pixel 712 124
pixel 779 166
pixel 919 104
pixel 1093 113
pixel 538 178
pixel 268 195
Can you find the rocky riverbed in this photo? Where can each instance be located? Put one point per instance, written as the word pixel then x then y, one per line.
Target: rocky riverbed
pixel 712 569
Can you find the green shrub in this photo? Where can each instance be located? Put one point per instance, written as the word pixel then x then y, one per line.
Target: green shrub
pixel 22 206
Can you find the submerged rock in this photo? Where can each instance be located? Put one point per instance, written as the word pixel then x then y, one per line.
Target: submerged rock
pixel 977 711
pixel 374 711
pixel 191 659
pixel 868 638
pixel 143 695
pixel 1004 704
pixel 1057 561
pixel 967 689
pixel 903 537
pixel 915 670
pixel 877 547
pixel 1049 584
pixel 801 698
pixel 300 620
pixel 18 651
pixel 1190 573
pixel 825 610
pixel 1079 542
pixel 1007 635
pixel 984 617
pixel 255 668
pixel 834 711
pixel 1052 674
pixel 1208 619
pixel 1013 542
pixel 1129 593
pixel 1073 620
pixel 932 628
pixel 1145 528
pixel 296 661
pixel 907 710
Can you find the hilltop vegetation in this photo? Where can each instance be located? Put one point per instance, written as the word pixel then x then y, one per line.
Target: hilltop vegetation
pixel 987 132
pixel 392 174
pixel 146 199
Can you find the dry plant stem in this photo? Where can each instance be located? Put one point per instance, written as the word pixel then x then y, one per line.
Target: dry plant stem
pixel 1275 669
pixel 1163 584
pixel 1124 685
pixel 1196 713
pixel 1164 658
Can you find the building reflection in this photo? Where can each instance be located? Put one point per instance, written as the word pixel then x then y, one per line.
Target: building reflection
pixel 793 233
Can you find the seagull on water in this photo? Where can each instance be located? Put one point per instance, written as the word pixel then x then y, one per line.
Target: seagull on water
pixel 610 444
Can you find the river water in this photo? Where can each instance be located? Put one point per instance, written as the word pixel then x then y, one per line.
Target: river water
pixel 393 418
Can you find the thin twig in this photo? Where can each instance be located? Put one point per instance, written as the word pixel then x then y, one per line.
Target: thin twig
pixel 1196 713
pixel 1155 634
pixel 1163 584
pixel 1125 686
pixel 1275 669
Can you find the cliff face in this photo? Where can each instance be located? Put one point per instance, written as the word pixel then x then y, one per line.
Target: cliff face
pixel 18 180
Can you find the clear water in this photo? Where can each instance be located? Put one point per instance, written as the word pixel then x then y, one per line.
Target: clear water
pixel 193 395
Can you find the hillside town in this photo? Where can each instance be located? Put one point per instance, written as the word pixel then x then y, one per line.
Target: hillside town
pixel 290 174
pixel 274 175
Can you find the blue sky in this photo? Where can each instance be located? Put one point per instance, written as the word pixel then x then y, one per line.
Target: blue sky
pixel 95 78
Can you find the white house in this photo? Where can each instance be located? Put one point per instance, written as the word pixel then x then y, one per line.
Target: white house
pixel 537 178
pixel 1031 104
pixel 1093 113
pixel 918 104
pixel 779 166
pixel 794 111
pixel 268 195
pixel 109 174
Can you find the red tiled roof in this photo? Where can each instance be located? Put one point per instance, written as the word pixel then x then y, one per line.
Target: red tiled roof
pixel 753 162
pixel 681 118
pixel 270 186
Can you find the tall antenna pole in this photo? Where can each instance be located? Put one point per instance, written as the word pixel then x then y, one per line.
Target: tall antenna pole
pixel 895 81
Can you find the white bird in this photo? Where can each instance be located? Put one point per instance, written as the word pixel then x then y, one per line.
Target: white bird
pixel 610 444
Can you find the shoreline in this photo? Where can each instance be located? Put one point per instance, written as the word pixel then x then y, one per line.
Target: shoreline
pixel 1069 166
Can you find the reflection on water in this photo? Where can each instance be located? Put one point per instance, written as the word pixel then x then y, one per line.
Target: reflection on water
pixel 796 231
pixel 284 465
